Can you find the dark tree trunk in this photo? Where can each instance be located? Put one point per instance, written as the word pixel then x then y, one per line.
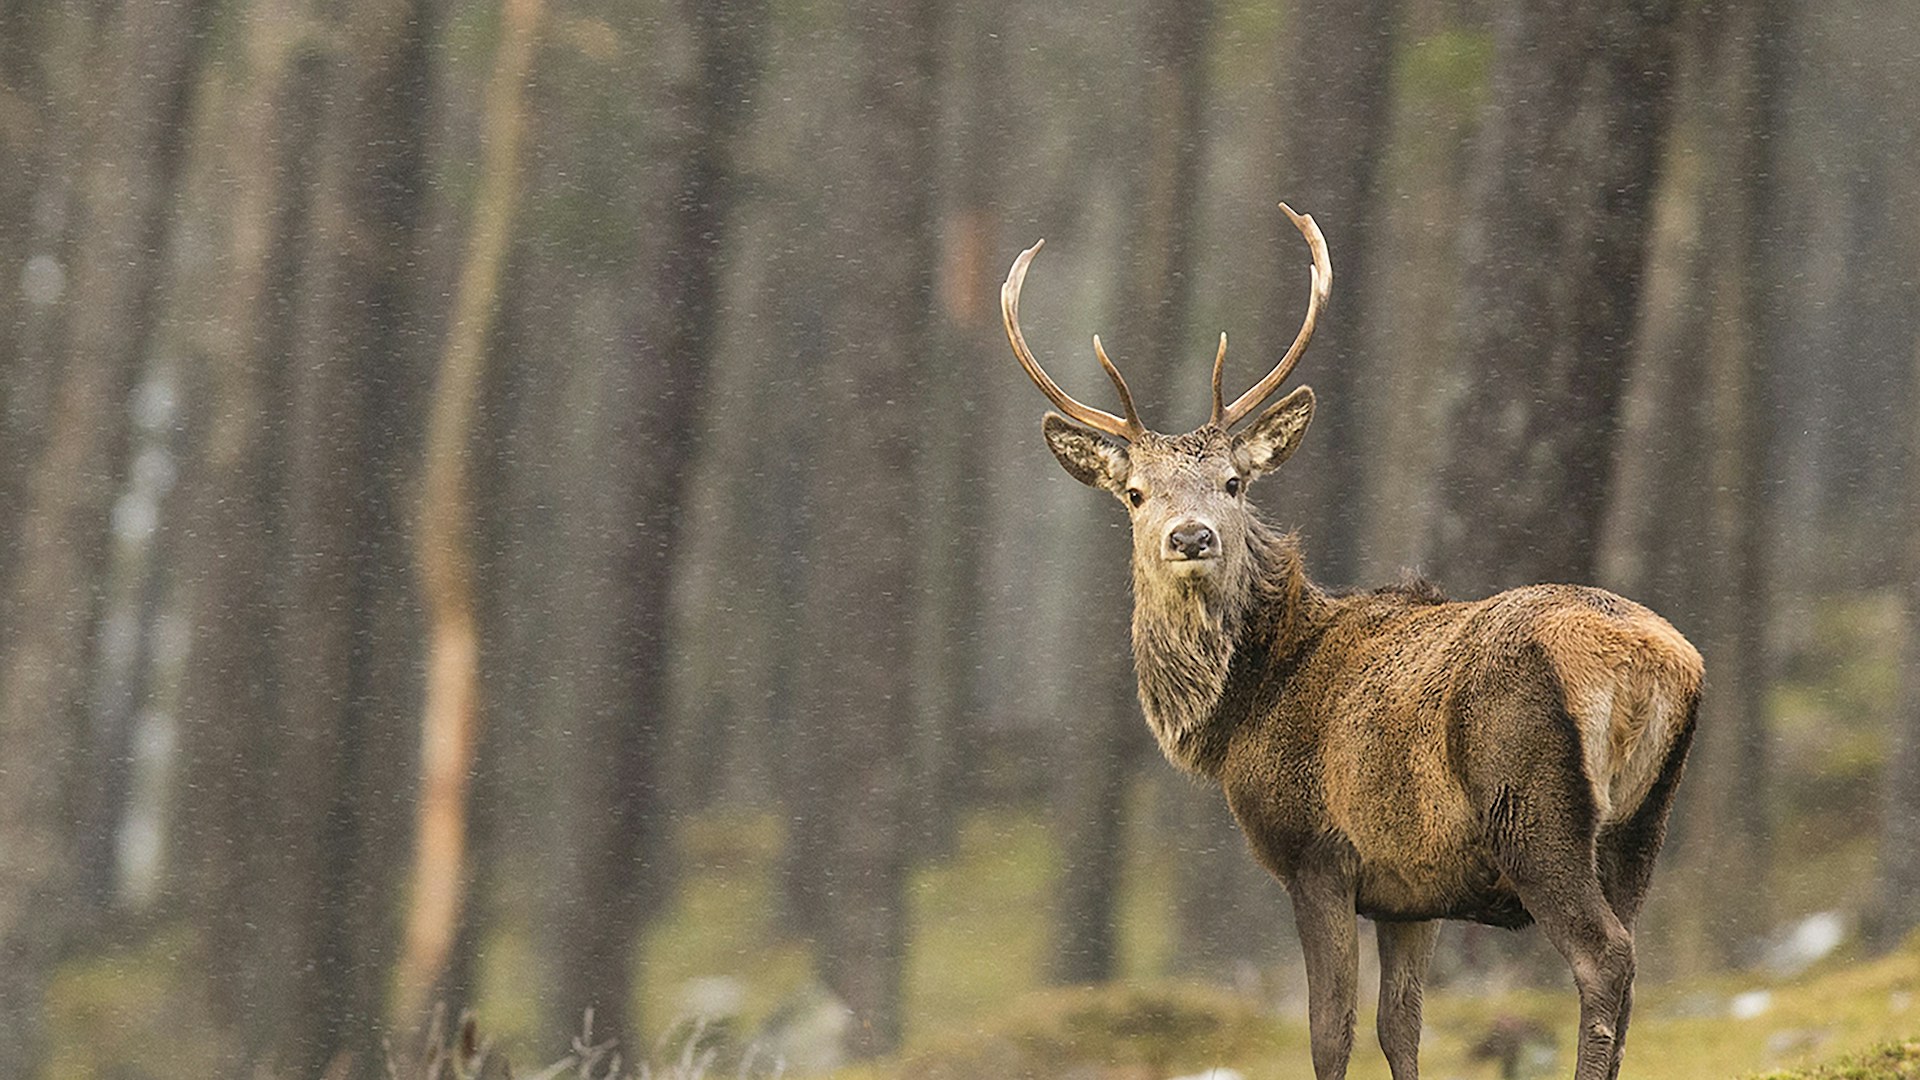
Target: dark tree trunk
pixel 235 501
pixel 1334 125
pixel 1732 847
pixel 627 844
pixel 343 753
pixel 149 56
pixel 854 807
pixel 25 134
pixel 955 502
pixel 1556 221
pixel 1107 741
pixel 1899 901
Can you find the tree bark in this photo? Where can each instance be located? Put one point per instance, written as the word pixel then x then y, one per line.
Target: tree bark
pixel 349 681
pixel 445 550
pixel 1899 886
pixel 955 503
pixel 26 134
pixel 235 497
pixel 625 841
pixel 1899 899
pixel 857 740
pixel 1564 173
pixel 1334 131
pixel 1744 329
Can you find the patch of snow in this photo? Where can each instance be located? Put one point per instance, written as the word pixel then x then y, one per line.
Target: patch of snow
pixel 1750 1004
pixel 1807 942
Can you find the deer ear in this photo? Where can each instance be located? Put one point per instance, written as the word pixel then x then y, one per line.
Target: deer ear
pixel 1088 456
pixel 1272 439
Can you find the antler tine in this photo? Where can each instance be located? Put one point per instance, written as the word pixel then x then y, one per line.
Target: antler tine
pixel 1322 285
pixel 1219 365
pixel 1134 427
pixel 1128 428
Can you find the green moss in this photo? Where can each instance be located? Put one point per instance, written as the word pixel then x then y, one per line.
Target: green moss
pixel 1888 1061
pixel 981 922
pixel 723 923
pixel 1159 1029
pixel 123 1013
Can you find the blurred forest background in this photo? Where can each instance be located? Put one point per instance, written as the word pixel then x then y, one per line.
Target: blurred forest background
pixel 529 505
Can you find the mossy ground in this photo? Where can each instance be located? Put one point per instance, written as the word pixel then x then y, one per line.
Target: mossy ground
pixel 1889 1061
pixel 977 1005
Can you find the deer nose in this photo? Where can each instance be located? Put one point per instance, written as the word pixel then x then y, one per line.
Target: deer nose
pixel 1192 540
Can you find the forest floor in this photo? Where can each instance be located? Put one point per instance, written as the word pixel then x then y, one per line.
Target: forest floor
pixel 977 1007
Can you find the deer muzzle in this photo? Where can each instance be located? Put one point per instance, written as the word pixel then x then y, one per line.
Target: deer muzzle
pixel 1188 540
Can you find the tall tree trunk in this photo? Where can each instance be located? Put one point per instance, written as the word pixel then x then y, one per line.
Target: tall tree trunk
pixel 1334 131
pixel 1655 540
pixel 672 340
pixel 1732 833
pixel 954 482
pixel 150 54
pixel 26 132
pixel 235 496
pixel 1899 886
pixel 349 684
pixel 854 810
pixel 1899 900
pixel 450 722
pixel 1564 173
pixel 1106 741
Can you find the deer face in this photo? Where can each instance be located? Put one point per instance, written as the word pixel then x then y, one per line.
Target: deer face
pixel 1186 494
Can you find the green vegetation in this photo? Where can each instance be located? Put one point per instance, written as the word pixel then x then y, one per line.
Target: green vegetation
pixel 1888 1061
pixel 978 1007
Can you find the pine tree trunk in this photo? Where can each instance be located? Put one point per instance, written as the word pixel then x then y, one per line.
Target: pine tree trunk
pixel 349 690
pixel 450 721
pixel 1900 830
pixel 234 493
pixel 858 737
pixel 1556 223
pixel 1333 133
pixel 625 841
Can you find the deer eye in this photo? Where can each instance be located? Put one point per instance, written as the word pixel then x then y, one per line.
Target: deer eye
pixel 1233 485
pixel 1136 496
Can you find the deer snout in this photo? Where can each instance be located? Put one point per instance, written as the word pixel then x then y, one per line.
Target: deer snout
pixel 1192 540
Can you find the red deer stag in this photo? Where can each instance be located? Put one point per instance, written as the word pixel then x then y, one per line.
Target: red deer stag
pixel 1388 753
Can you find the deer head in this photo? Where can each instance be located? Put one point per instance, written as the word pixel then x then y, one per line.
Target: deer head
pixel 1186 494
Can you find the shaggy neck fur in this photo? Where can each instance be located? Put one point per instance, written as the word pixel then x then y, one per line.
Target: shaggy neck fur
pixel 1188 634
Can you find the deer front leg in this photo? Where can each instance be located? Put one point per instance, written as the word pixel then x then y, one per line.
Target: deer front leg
pixel 1323 911
pixel 1405 949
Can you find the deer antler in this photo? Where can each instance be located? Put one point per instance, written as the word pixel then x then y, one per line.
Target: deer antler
pixel 1128 428
pixel 1322 284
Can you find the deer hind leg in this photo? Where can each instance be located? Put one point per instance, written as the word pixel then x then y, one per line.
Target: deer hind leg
pixel 1323 912
pixel 1545 844
pixel 1405 949
pixel 1626 853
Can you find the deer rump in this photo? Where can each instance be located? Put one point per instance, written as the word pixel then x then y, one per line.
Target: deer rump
pixel 1421 736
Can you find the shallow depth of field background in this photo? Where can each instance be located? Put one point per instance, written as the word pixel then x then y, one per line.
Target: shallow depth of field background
pixel 526 506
